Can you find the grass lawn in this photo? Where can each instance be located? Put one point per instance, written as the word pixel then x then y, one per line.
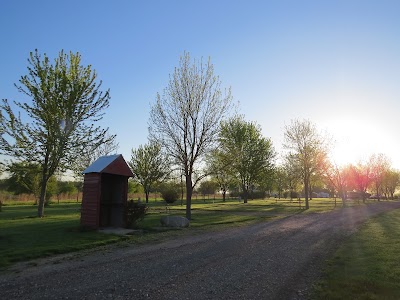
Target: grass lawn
pixel 23 236
pixel 367 266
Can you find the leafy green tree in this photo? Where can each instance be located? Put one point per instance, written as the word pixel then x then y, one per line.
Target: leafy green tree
pixel 390 182
pixel 279 180
pixel 66 102
pixel 51 189
pixel 148 165
pixel 185 118
pixel 65 187
pixel 208 187
pixel 249 155
pixel 24 178
pixel 134 187
pixel 220 172
pixel 292 178
pixel 267 184
pixel 307 152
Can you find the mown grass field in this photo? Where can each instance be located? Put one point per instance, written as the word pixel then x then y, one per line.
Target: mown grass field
pixel 23 236
pixel 367 266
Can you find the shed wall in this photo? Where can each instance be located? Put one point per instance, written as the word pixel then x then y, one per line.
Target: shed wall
pixel 90 200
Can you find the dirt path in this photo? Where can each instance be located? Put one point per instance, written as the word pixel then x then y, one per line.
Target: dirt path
pixel 276 260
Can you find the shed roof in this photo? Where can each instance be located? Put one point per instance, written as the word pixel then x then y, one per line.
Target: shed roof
pixel 112 164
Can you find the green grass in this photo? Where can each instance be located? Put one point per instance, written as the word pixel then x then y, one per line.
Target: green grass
pixel 367 266
pixel 23 236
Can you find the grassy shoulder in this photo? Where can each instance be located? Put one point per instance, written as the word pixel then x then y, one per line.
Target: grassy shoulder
pixel 367 265
pixel 23 236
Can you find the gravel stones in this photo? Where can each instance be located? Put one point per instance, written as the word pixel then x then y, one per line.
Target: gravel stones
pixel 275 260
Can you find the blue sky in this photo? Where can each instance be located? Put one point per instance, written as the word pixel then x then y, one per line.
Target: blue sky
pixel 336 63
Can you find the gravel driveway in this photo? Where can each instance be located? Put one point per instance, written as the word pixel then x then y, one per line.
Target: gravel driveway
pixel 275 260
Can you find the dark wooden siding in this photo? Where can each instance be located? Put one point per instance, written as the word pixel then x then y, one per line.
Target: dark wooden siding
pixel 90 200
pixel 105 195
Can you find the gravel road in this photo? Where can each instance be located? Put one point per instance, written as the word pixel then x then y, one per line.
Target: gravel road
pixel 275 260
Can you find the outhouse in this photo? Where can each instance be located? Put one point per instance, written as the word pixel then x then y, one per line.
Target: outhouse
pixel 105 192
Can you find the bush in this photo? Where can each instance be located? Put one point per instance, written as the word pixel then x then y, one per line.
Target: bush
pixel 170 194
pixel 135 213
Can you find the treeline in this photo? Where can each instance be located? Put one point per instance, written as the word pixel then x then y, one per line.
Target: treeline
pixel 195 135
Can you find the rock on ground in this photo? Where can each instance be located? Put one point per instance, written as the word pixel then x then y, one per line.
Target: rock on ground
pixel 174 221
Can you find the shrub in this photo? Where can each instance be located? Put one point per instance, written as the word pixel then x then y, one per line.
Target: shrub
pixel 135 213
pixel 170 194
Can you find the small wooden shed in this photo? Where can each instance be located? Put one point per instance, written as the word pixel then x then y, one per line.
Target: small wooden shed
pixel 105 192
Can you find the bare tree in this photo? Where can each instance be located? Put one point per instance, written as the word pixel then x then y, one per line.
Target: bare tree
pixel 185 118
pixel 379 165
pixel 339 178
pixel 361 178
pixel 307 151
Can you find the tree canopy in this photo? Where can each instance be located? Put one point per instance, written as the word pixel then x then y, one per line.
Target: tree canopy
pixel 246 152
pixel 149 165
pixel 57 124
pixel 307 151
pixel 185 118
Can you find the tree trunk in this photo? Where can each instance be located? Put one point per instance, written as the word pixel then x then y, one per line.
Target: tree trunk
pixel 344 198
pixel 306 192
pixel 223 195
pixel 189 191
pixel 245 194
pixel 147 193
pixel 42 198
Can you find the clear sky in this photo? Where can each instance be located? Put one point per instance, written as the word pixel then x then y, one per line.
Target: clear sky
pixel 336 63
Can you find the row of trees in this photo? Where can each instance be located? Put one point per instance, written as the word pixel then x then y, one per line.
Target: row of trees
pixel 193 131
pixel 375 176
pixel 24 178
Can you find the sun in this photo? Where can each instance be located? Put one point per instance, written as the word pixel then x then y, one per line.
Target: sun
pixel 352 140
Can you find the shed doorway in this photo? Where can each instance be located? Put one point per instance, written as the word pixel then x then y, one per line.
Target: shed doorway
pixel 112 200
